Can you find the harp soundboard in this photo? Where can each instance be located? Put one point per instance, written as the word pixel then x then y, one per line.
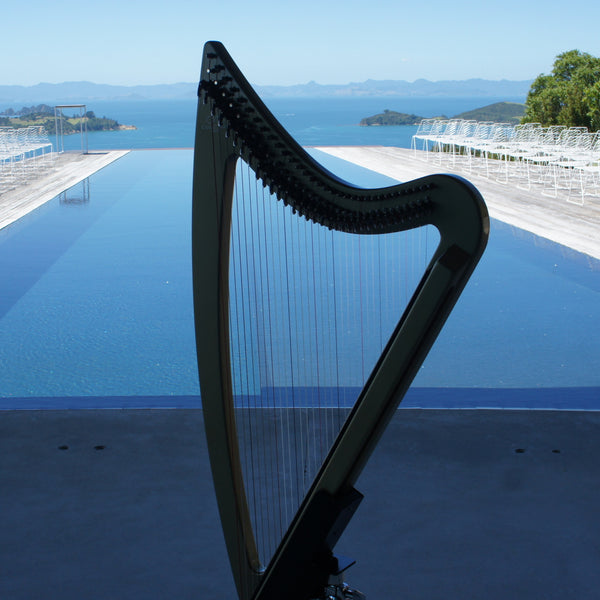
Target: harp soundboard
pixel 316 302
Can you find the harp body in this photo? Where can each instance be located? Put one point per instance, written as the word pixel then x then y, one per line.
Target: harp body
pixel 234 126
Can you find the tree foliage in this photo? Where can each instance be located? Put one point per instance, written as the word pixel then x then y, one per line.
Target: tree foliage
pixel 69 124
pixel 569 96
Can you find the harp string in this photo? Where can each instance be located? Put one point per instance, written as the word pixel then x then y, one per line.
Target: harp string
pixel 310 311
pixel 272 462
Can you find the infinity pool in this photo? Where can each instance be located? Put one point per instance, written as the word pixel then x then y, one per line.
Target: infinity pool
pixel 96 305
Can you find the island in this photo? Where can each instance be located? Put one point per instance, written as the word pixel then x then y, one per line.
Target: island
pixel 499 112
pixel 390 117
pixel 43 115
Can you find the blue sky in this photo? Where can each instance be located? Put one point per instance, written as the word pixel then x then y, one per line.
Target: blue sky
pixel 277 42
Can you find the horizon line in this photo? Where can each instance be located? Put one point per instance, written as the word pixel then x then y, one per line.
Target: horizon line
pixel 263 85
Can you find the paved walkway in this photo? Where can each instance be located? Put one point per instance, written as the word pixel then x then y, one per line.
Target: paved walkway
pixel 119 505
pixel 569 224
pixel 68 169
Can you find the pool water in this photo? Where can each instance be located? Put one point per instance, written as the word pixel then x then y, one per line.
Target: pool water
pixel 96 305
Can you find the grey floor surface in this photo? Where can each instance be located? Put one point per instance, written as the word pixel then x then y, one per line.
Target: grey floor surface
pixel 458 505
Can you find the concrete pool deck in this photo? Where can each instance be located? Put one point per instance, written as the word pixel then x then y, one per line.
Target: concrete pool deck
pixel 118 504
pixel 66 170
pixel 572 225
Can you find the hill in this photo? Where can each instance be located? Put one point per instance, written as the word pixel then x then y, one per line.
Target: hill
pixel 82 91
pixel 499 112
pixel 85 91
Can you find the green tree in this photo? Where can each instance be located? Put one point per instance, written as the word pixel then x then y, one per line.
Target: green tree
pixel 569 96
pixel 592 97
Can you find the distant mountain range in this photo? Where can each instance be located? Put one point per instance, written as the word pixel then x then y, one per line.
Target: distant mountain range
pixel 83 91
pixel 480 88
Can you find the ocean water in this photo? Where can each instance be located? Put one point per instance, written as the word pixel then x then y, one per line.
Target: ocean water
pixel 312 121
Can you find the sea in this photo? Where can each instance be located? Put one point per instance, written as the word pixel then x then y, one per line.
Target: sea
pixel 311 121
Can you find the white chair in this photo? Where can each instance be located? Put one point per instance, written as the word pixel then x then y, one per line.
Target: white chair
pixel 519 152
pixel 478 146
pixel 24 153
pixel 501 135
pixel 442 140
pixel 423 131
pixel 458 144
pixel 573 152
pixel 431 129
pixel 585 170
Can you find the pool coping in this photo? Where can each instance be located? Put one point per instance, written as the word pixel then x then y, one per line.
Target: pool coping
pixel 63 171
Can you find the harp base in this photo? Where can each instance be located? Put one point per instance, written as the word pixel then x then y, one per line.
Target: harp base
pixel 307 567
pixel 337 588
pixel 341 591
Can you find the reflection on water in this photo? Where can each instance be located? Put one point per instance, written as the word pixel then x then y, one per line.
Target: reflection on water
pixel 76 195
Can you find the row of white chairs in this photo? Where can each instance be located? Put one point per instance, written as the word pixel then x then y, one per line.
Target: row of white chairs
pixel 24 153
pixel 558 160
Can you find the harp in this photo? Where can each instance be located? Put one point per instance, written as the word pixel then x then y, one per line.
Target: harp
pixel 308 330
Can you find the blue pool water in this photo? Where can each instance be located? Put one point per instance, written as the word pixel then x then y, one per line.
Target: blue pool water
pixel 96 305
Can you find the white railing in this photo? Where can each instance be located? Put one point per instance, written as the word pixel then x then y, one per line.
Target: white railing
pixel 559 161
pixel 24 153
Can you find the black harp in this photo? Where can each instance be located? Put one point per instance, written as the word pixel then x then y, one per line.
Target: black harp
pixel 233 292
